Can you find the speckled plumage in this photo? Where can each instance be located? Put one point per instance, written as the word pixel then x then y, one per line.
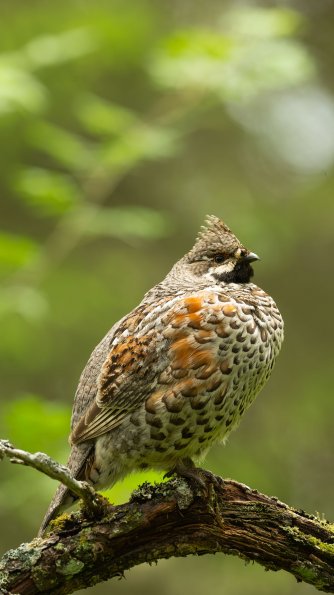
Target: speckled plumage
pixel 177 373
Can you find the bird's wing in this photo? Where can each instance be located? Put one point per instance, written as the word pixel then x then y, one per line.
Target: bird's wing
pixel 87 387
pixel 178 333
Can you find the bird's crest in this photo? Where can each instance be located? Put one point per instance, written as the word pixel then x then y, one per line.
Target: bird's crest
pixel 212 227
pixel 215 236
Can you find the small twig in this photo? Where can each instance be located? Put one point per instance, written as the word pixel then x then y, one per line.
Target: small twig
pixel 51 468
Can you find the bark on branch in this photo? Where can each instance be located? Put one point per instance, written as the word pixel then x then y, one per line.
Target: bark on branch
pixel 172 519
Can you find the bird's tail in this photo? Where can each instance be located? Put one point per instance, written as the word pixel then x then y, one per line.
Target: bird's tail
pixel 63 497
pixel 62 500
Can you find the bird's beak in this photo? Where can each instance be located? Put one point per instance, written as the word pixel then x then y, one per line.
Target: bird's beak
pixel 251 257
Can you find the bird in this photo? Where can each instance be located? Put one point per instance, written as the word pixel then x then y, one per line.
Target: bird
pixel 176 374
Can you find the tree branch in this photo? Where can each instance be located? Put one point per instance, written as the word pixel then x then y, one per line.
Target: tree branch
pixel 172 519
pixel 43 463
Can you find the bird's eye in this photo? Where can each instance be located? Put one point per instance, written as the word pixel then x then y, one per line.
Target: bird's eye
pixel 219 258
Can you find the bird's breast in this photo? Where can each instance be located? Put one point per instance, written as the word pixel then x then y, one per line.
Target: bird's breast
pixel 216 348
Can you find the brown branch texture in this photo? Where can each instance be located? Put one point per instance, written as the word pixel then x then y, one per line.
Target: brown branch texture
pixel 171 519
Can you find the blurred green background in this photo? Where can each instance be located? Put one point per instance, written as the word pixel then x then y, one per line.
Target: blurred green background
pixel 122 124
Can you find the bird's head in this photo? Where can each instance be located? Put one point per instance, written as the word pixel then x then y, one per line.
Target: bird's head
pixel 219 255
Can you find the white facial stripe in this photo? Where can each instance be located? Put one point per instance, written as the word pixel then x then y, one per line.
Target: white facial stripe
pixel 225 267
pixel 217 271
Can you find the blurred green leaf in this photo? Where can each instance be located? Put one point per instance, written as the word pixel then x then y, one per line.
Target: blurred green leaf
pixel 33 423
pixel 49 50
pixel 19 90
pixel 125 223
pixel 68 149
pixel 256 21
pixel 198 42
pixel 49 193
pixel 16 251
pixel 265 66
pixel 102 117
pixel 232 64
pixel 140 143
